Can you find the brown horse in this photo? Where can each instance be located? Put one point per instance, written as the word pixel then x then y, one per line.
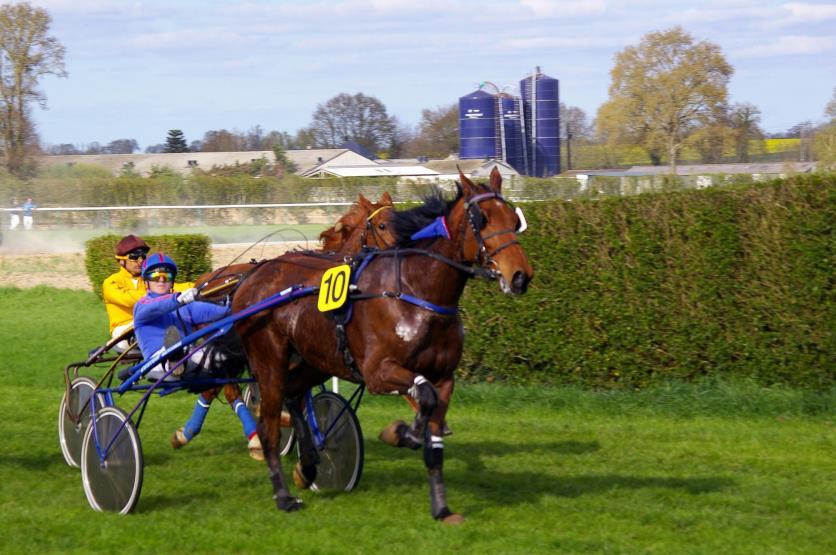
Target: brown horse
pixel 405 335
pixel 365 224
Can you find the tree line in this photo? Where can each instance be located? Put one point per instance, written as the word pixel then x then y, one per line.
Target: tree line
pixel 667 94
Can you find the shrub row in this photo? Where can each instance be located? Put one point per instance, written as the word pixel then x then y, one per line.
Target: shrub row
pixel 192 254
pixel 733 283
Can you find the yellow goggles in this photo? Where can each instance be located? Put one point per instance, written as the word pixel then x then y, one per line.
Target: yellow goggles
pixel 135 255
pixel 159 275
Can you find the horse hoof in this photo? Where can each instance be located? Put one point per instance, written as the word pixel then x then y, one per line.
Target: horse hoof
pixel 299 478
pixel 289 504
pixel 453 519
pixel 390 435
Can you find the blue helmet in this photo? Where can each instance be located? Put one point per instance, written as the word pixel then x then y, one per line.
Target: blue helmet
pixel 158 260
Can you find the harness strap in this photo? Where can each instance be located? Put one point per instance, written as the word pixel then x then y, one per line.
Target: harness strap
pixel 447 311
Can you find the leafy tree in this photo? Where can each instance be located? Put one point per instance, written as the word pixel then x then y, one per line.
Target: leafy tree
pixel 352 118
pixel 176 141
pixel 662 90
pixel 744 121
pixel 155 149
pixel 27 53
pixel 121 146
pixel 825 141
pixel 830 109
pixel 710 141
pixel 283 164
pixel 129 170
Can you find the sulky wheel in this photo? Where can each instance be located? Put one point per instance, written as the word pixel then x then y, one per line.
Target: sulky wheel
pixel 341 455
pixel 252 398
pixel 112 484
pixel 74 417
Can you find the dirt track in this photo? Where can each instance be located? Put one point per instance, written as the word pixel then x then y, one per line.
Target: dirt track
pixel 66 269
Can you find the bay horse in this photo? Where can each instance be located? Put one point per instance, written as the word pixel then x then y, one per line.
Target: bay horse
pixel 405 335
pixel 365 224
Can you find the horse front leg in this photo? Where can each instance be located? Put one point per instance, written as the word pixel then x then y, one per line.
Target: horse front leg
pixel 432 409
pixel 434 455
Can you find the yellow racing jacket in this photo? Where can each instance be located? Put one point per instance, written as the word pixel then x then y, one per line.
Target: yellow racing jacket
pixel 121 291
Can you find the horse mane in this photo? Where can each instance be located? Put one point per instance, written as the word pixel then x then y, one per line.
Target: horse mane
pixel 407 222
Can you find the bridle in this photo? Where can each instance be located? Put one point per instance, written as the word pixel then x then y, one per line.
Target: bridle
pixel 370 228
pixel 476 219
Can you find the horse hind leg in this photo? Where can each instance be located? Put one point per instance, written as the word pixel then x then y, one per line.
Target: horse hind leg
pixel 271 385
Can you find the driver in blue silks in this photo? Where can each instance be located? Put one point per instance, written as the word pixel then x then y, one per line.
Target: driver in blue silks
pixel 160 310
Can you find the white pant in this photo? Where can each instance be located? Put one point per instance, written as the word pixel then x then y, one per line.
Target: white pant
pixel 14 221
pixel 119 330
pixel 27 222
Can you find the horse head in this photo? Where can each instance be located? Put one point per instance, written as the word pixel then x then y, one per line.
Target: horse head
pixel 490 232
pixel 365 224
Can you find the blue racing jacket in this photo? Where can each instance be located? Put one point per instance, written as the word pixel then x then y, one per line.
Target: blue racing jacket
pixel 154 313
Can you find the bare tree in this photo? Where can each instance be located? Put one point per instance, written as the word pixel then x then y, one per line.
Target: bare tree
pixel 27 53
pixel 353 118
pixel 438 133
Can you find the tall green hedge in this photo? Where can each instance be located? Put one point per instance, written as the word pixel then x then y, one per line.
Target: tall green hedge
pixel 725 283
pixel 192 253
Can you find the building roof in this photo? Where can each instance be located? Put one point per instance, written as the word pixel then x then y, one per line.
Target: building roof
pixel 184 162
pixel 471 167
pixel 374 170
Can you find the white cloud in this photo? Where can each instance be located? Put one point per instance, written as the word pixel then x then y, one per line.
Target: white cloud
pixel 532 43
pixel 562 8
pixel 790 45
pixel 801 12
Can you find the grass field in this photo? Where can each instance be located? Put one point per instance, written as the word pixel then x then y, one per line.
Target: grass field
pixel 680 469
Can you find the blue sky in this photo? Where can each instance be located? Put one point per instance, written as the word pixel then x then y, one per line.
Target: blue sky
pixel 139 68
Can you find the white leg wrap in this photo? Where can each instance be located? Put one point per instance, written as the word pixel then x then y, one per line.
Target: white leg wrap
pixel 413 391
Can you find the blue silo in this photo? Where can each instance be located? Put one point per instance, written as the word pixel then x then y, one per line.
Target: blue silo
pixel 512 137
pixel 477 125
pixel 541 102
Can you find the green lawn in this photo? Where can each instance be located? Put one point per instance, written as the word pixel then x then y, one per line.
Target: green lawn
pixel 681 469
